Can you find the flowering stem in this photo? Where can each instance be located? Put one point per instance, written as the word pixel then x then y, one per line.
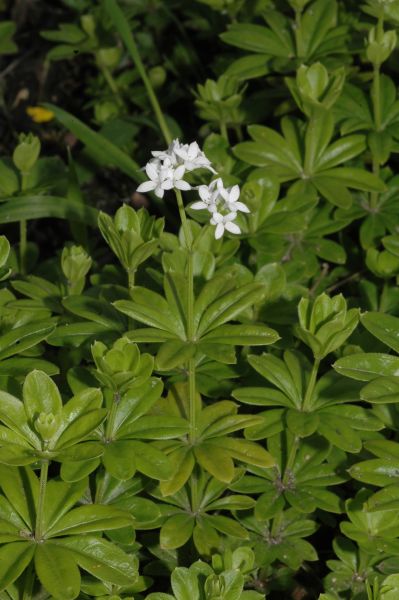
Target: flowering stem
pixel 187 233
pixel 40 502
pixel 123 27
pixel 376 98
pixel 312 382
pixel 190 314
pixel 223 130
pixel 291 459
pixel 111 417
pixel 111 82
pixel 298 33
pixel 131 277
pixel 23 231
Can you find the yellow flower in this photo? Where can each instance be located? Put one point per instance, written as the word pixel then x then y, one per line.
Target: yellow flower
pixel 39 114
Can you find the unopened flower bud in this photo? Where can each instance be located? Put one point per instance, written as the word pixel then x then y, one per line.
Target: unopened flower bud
pixel 26 153
pixel 46 425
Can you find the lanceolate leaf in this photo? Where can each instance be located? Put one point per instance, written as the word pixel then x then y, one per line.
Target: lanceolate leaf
pixel 42 207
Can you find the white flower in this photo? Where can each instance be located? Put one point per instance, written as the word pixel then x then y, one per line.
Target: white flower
pixel 189 155
pixel 223 205
pixel 231 196
pixel 159 179
pixel 176 178
pixel 223 222
pixel 192 156
pixel 162 176
pixel 209 194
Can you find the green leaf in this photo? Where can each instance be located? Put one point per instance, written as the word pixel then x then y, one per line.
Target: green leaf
pixel 31 207
pixel 80 427
pixel 59 499
pixel 151 461
pixel 365 367
pixel 155 428
pixel 40 395
pixel 229 305
pixel 227 526
pixel 176 531
pixel 385 500
pixel 118 459
pixel 152 309
pixel 21 488
pixel 174 353
pixel 89 518
pixel 23 337
pixel 102 559
pixel 185 584
pixel 57 571
pixel 246 451
pixel 95 309
pixel 20 366
pixel 7 30
pixel 216 461
pixel 358 179
pixel 339 433
pixel 383 327
pixel 76 334
pixel 377 471
pixel 14 558
pixel 243 335
pixel 256 38
pixel 104 151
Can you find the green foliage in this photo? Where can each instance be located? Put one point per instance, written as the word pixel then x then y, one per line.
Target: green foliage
pixel 186 415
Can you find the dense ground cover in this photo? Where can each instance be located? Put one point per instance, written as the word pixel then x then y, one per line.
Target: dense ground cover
pixel 199 326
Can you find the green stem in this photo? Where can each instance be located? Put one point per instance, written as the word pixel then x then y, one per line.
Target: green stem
pixel 23 231
pixel 194 490
pixel 376 98
pixel 190 315
pixel 40 504
pixel 128 38
pixel 111 82
pixel 131 277
pixel 223 130
pixel 312 382
pixel 277 521
pixel 190 335
pixel 29 581
pixel 187 232
pixel 291 459
pixel 109 428
pixel 298 33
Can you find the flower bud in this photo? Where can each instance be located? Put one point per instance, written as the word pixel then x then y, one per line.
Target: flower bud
pixel 75 263
pixel 380 45
pixel 46 425
pixel 109 57
pixel 26 153
pixel 312 81
pixel 104 111
pixel 157 76
pixel 382 264
pixel 326 323
pixel 88 25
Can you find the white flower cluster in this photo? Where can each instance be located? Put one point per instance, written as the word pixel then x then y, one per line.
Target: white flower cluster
pixel 223 205
pixel 166 171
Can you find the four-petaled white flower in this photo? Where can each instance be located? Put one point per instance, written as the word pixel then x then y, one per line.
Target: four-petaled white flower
pixel 223 222
pixel 159 179
pixel 231 196
pixel 166 170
